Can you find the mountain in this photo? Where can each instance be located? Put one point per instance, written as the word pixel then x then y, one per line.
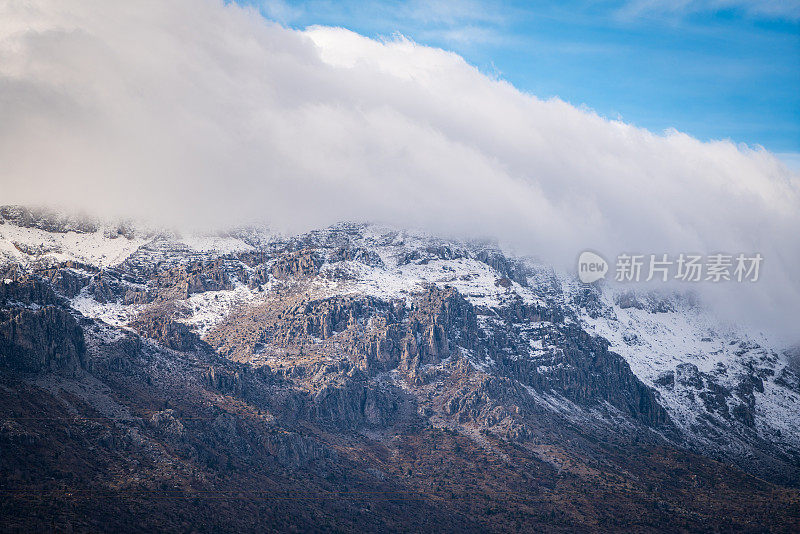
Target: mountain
pixel 361 377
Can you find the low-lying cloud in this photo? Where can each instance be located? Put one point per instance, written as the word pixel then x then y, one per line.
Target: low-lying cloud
pixel 197 112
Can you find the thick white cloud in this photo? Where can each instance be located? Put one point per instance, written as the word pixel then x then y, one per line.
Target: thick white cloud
pixel 196 112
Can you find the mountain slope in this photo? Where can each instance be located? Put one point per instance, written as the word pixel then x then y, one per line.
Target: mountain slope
pixel 364 377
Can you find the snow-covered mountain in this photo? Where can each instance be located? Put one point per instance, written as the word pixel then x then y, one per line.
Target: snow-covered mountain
pixel 370 333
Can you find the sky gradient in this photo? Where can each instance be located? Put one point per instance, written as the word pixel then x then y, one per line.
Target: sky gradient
pixel 716 69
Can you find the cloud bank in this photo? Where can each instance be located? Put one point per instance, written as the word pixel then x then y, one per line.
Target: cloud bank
pixel 197 112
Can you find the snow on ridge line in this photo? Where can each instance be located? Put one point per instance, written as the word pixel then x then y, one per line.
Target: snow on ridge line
pixel 103 248
pixel 24 245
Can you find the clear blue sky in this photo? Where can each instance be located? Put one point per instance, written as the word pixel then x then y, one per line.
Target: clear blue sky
pixel 716 69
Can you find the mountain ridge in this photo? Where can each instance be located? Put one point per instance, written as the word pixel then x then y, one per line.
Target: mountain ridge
pixel 320 350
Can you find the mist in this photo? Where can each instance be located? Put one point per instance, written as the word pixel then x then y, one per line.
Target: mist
pixel 204 114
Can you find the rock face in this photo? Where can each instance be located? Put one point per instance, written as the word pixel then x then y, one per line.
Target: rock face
pixel 383 335
pixel 26 290
pixel 296 264
pixel 36 332
pixel 586 372
pixel 166 422
pixel 35 340
pixel 353 402
pixel 360 360
pixel 196 277
pixel 67 279
pixel 161 322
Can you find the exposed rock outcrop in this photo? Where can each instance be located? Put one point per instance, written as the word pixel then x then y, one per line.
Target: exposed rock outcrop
pixel 36 332
pixel 34 340
pixel 161 322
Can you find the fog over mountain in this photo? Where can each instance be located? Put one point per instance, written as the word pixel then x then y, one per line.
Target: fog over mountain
pixel 204 114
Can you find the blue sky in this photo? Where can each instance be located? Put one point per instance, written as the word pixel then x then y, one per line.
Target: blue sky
pixel 716 69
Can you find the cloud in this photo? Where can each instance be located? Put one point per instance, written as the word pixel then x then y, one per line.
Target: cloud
pixel 203 113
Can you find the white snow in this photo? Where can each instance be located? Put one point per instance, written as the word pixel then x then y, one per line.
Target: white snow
pixel 111 313
pixel 91 248
pixel 475 280
pixel 210 308
pixel 653 343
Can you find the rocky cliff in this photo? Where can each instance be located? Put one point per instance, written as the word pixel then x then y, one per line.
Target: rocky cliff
pixel 361 377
